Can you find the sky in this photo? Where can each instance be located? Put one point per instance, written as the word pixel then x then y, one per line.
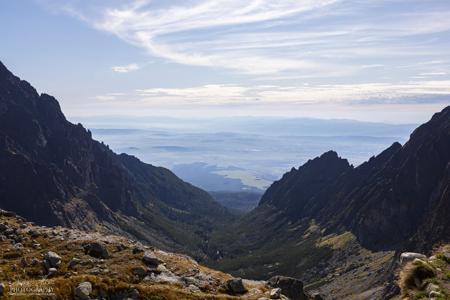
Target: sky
pixel 383 60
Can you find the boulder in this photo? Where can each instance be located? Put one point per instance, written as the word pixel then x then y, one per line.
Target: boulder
pixel 75 261
pixel 52 260
pixel 139 271
pixel 290 287
pixel 316 296
pixel 410 256
pixel 2 289
pixel 96 249
pixel 150 259
pixel 51 272
pixel 275 293
pixel 83 291
pixel 236 286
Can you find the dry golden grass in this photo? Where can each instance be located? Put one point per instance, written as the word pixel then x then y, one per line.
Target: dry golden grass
pixel 115 272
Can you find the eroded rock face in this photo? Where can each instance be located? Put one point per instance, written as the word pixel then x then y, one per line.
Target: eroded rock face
pixel 290 287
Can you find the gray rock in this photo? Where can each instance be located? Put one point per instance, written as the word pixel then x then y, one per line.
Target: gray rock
pixel 139 271
pixel 150 259
pixel 193 288
pixel 275 293
pixel 290 287
pixel 410 256
pixel 316 296
pixel 236 286
pixel 431 287
pixel 83 291
pixel 2 289
pixel 96 249
pixel 138 249
pixel 6 213
pixel 434 294
pixel 52 260
pixel 52 271
pixel 75 261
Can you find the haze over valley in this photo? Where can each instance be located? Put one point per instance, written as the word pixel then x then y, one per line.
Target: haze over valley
pixel 242 154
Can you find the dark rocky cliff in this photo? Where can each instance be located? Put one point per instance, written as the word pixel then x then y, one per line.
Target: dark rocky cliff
pixel 53 172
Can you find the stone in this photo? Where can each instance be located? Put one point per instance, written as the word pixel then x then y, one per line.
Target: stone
pixel 3 227
pixel 83 290
pixel 2 289
pixel 290 287
pixel 193 288
pixel 75 261
pixel 430 288
pixel 121 247
pixel 434 294
pixel 52 271
pixel 275 293
pixel 138 249
pixel 150 259
pixel 236 286
pixel 96 249
pixel 316 296
pixel 410 256
pixel 52 260
pixel 139 271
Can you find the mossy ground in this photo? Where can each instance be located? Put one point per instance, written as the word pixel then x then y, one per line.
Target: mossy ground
pixel 416 275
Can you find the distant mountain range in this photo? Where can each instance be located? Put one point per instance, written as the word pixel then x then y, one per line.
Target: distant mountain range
pixel 53 172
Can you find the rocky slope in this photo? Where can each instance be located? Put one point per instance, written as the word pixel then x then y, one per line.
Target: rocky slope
pixel 334 225
pixel 53 173
pixel 60 263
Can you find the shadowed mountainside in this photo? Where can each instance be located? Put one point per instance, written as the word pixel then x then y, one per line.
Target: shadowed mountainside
pixel 52 172
pixel 327 217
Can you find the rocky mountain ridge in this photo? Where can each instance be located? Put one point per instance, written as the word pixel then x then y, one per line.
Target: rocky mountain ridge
pixel 53 173
pixel 327 216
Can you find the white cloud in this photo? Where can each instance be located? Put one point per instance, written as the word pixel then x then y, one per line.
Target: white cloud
pixel 313 38
pixel 275 95
pixel 125 69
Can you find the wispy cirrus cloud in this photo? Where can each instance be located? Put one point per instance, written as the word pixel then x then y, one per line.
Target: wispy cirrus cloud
pixel 290 52
pixel 318 38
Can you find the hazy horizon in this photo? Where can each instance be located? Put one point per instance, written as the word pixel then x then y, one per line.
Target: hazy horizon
pixel 336 59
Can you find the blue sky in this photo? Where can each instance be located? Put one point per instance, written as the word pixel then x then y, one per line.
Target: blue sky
pixel 368 60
